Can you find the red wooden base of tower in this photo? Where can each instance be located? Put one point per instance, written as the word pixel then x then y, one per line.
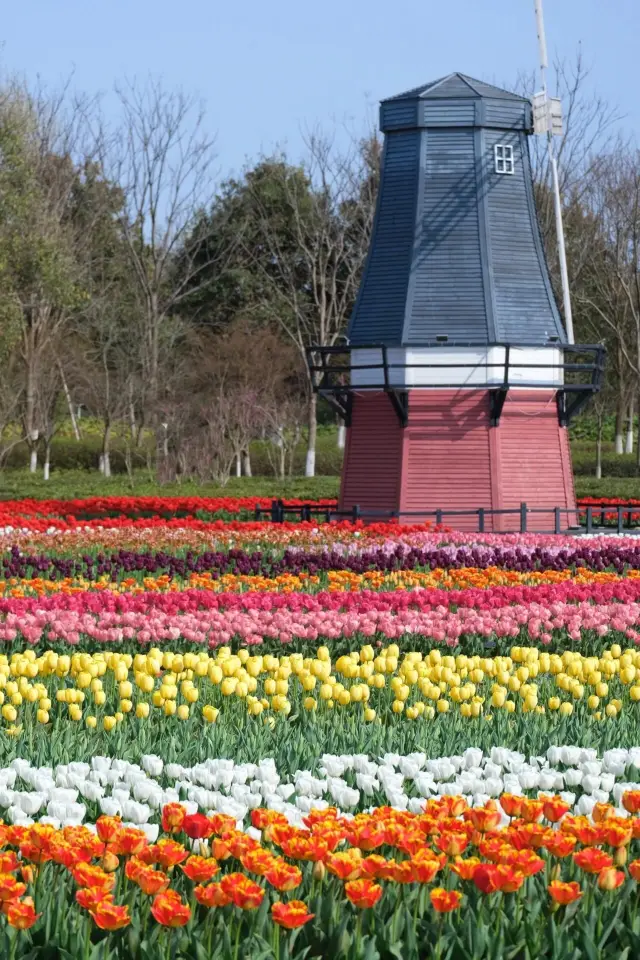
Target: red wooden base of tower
pixel 449 457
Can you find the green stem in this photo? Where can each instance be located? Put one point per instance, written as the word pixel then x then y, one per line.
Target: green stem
pixel 237 945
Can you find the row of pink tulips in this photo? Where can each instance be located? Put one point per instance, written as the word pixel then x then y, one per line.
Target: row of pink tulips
pixel 535 621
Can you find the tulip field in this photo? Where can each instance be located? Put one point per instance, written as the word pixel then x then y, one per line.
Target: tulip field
pixel 227 738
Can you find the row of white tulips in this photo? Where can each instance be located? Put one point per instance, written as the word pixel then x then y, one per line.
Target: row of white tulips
pixel 77 793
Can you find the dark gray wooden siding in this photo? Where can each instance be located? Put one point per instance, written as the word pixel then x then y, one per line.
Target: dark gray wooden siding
pixel 394 115
pixel 524 306
pixel 505 114
pixel 456 247
pixel 446 294
pixel 460 113
pixel 379 312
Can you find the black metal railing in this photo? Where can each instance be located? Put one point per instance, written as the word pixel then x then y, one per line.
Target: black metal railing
pixel 581 519
pixel 580 378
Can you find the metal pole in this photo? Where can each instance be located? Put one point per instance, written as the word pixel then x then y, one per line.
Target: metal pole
pixel 557 203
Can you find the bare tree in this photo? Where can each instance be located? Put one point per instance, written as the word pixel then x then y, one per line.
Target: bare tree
pixel 611 284
pixel 163 158
pixel 314 263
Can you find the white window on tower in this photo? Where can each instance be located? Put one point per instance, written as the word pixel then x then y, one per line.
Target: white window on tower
pixel 503 158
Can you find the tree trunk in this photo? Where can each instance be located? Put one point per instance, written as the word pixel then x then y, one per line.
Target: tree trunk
pixel 599 451
pixel 67 396
pixel 342 435
pixel 628 446
pixel 619 423
pixel 105 456
pixel 238 465
pixel 47 460
pixel 310 468
pixel 246 463
pixel 33 460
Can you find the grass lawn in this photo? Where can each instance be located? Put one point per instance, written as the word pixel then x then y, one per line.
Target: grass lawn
pixel 72 476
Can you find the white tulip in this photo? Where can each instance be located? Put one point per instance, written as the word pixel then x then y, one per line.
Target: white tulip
pixel 152 765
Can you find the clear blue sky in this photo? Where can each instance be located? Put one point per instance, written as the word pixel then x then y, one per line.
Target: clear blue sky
pixel 267 68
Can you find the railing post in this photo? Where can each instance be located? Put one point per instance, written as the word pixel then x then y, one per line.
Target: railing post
pixel 481 520
pixel 620 519
pixel 280 511
pixel 355 513
pixel 305 512
pixel 523 518
pixel 438 517
pixel 327 515
pixel 556 520
pixel 589 519
pixel 257 511
pixel 275 512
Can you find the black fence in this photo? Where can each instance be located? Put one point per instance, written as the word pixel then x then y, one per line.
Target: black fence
pixel 585 519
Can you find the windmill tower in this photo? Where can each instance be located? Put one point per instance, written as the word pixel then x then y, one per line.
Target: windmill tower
pixel 458 382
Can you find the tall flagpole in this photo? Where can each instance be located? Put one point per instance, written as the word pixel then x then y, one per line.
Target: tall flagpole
pixel 545 114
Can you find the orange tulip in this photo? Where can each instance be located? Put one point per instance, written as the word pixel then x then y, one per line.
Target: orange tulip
pixel 258 861
pixel 553 808
pixel 173 815
pixel 532 810
pixel 168 853
pixel 424 867
pixel 602 812
pixel 283 876
pixel 346 865
pixel 291 915
pixel 511 804
pixel 130 842
pixel 465 868
pixel 483 818
pixel 564 893
pixel 491 877
pixel 305 848
pixel 211 896
pixel 242 891
pixel 20 914
pixel 10 888
pixel 610 878
pixel 152 882
pixel 363 893
pixel 200 869
pixel 108 828
pixel 87 875
pixel 374 866
pixel 592 860
pixel 109 862
pixel 631 801
pixel 89 897
pixel 444 901
pixel 634 870
pixel 560 844
pixel 110 916
pixel 367 836
pixel 452 843
pixel 261 819
pixel 402 872
pixel 527 862
pixel 617 834
pixel 9 862
pixel 169 910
